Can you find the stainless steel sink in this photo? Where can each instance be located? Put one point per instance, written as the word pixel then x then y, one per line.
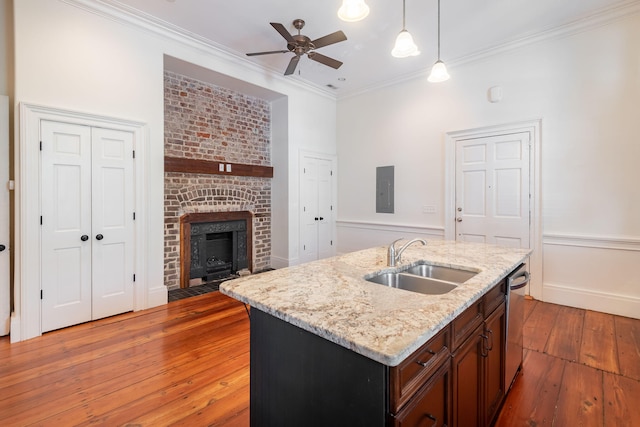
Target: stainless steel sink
pixel 409 282
pixel 424 278
pixel 441 273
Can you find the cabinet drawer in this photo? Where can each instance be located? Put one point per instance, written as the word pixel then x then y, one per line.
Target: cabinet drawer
pixel 495 297
pixel 432 403
pixel 463 325
pixel 406 378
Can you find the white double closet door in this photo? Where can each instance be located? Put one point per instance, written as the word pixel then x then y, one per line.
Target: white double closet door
pixel 87 223
pixel 317 208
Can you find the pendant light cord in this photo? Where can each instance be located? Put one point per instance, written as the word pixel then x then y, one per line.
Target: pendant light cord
pixel 403 15
pixel 438 30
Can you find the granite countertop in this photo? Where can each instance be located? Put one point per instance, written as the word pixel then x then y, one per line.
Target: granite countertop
pixel 331 298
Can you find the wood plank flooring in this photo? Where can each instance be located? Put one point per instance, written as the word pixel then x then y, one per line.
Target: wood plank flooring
pixel 581 368
pixel 187 364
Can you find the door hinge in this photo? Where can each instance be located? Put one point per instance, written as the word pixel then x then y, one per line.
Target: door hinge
pixel 40 219
pixel 304 247
pixel 40 145
pixel 41 294
pixel 331 173
pixel 331 242
pixel 134 277
pixel 331 207
pixel 304 170
pixel 134 216
pixel 134 154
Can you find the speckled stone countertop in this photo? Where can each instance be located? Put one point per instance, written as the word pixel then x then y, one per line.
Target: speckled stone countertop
pixel 332 299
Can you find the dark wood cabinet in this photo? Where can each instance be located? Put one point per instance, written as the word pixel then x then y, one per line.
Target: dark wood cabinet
pixel 431 406
pixel 478 363
pixel 467 380
pixel 493 378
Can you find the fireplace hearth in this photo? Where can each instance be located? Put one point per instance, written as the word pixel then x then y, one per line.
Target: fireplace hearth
pixel 214 246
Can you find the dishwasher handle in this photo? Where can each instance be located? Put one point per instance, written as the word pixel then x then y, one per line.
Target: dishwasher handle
pixel 518 281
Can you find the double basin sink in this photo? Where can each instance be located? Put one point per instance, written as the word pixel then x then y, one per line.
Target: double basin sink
pixel 424 278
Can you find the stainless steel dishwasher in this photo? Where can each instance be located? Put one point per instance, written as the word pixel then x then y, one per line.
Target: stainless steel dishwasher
pixel 516 283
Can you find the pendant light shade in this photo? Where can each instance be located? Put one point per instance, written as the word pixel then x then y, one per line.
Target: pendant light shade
pixel 404 46
pixel 439 71
pixel 353 10
pixel 404 42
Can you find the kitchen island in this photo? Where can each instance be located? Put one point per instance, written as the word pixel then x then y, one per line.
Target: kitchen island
pixel 327 345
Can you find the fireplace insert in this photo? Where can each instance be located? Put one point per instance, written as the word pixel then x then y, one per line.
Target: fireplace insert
pixel 218 249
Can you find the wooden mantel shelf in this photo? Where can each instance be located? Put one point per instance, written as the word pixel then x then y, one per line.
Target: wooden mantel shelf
pixel 179 164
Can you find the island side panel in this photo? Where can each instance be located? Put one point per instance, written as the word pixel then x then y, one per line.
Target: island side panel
pixel 300 379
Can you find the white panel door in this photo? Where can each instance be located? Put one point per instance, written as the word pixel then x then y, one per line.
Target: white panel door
pixel 112 222
pixel 66 224
pixel 87 223
pixel 317 211
pixel 492 190
pixel 325 209
pixel 5 292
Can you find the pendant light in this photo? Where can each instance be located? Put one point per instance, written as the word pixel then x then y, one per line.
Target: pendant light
pixel 439 71
pixel 353 10
pixel 404 42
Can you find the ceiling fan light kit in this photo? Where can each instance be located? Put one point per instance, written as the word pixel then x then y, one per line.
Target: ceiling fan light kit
pixel 404 45
pixel 439 71
pixel 353 10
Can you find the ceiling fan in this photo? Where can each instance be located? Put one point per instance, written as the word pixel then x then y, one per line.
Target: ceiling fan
pixel 301 44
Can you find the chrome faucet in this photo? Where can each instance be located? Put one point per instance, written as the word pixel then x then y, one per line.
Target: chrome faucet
pixel 393 255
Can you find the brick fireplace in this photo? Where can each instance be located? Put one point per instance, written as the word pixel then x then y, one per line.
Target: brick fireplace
pixel 219 138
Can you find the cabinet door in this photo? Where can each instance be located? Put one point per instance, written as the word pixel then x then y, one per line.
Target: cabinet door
pixel 431 405
pixel 467 381
pixel 494 336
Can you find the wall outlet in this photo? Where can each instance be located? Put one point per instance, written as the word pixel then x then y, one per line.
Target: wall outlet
pixel 220 167
pixel 228 167
pixel 428 209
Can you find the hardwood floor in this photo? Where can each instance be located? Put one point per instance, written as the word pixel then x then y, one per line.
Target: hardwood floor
pixel 581 368
pixel 186 363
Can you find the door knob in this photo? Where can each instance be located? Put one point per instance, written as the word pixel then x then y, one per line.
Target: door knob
pixel 459 219
pixel 84 238
pixel 99 237
pixel 321 218
pixel 2 248
pixel 316 218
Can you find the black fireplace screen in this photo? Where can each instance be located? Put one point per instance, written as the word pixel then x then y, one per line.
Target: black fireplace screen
pixel 218 249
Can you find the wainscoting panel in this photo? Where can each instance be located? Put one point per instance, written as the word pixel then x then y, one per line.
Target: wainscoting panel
pixel 592 272
pixel 358 235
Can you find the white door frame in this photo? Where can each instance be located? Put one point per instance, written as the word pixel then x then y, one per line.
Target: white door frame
pixel 26 319
pixel 5 273
pixel 535 230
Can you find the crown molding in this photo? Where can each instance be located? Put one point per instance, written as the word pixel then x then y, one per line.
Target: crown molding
pixel 134 18
pixel 597 19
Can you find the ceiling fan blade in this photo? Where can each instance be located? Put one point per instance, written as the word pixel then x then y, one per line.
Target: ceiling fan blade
pixel 292 65
pixel 268 53
pixel 332 38
pixel 318 57
pixel 283 32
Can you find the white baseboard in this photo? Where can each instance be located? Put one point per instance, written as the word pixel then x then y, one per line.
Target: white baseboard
pixel 621 305
pixel 279 262
pixel 157 296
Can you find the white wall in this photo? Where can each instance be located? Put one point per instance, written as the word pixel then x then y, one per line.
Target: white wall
pixel 585 89
pixel 93 61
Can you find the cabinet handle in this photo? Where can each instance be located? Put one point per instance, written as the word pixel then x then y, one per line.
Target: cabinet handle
pixel 432 418
pixel 321 218
pixel 485 349
pixel 2 248
pixel 84 237
pixel 491 344
pixel 99 237
pixel 424 364
pixel 316 218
